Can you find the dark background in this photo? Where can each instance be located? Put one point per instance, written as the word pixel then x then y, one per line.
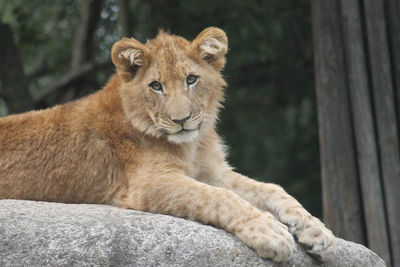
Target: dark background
pixel 270 118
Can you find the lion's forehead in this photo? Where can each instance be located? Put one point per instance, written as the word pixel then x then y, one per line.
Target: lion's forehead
pixel 171 60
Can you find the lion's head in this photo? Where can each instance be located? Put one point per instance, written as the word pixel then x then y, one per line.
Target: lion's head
pixel 172 87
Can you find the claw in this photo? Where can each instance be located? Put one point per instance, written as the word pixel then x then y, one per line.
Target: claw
pixel 316 257
pixel 307 247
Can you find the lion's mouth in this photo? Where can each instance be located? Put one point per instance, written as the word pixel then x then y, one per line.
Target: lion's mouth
pixel 183 136
pixel 180 134
pixel 182 130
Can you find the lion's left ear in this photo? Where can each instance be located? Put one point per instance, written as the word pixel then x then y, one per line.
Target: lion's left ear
pixel 128 55
pixel 212 44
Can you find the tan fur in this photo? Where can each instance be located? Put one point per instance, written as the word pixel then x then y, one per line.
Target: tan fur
pixel 121 146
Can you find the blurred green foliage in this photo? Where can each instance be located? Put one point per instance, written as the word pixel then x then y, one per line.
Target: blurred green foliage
pixel 269 121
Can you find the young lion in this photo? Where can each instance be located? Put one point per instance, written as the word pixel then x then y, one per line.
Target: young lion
pixel 147 141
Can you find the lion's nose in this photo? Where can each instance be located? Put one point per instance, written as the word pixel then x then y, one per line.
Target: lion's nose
pixel 181 121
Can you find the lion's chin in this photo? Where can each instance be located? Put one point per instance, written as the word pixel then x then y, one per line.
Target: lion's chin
pixel 183 137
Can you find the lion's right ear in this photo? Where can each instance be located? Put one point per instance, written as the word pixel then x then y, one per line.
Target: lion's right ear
pixel 128 55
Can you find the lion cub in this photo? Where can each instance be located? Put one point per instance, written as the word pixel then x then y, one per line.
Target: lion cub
pixel 147 141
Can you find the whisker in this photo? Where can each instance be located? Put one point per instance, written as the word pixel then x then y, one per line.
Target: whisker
pixel 208 115
pixel 198 116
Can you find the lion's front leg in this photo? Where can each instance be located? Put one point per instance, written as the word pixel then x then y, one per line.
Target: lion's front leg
pixel 309 231
pixel 178 195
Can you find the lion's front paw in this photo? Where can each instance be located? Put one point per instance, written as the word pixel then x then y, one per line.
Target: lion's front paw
pixel 268 237
pixel 317 239
pixel 310 232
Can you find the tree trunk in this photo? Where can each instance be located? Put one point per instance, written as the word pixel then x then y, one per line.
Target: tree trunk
pixel 83 49
pixel 14 84
pixel 357 71
pixel 84 35
pixel 124 18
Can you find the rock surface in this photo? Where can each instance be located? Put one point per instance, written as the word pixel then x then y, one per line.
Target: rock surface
pixel 42 234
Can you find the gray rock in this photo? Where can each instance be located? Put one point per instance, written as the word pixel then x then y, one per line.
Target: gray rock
pixel 42 234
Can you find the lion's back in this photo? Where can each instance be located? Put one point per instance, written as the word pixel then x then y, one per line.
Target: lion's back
pixel 44 157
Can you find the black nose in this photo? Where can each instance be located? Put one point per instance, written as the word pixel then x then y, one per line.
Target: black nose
pixel 182 121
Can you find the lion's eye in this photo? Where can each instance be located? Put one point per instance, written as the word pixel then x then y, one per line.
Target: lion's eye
pixel 191 79
pixel 156 86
